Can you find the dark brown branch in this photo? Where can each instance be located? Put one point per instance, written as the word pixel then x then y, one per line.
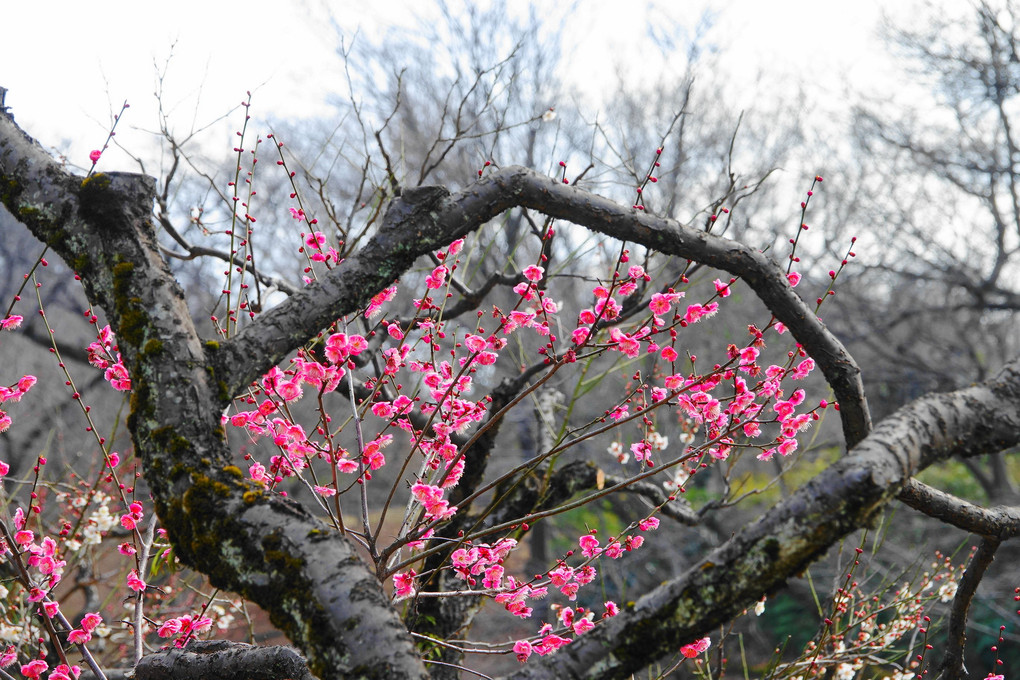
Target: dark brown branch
pixel 1003 522
pixel 952 663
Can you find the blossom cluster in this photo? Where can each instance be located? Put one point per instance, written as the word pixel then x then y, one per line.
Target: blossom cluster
pixel 103 354
pixel 13 393
pixel 184 628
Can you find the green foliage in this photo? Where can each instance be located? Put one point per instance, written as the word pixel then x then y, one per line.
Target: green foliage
pixel 953 477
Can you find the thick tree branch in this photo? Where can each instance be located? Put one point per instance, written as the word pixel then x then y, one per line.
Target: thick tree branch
pixel 952 662
pixel 223 660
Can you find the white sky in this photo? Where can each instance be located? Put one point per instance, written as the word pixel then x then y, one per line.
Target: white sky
pixel 69 65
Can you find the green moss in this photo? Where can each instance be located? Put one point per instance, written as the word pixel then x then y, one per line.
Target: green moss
pixel 141 404
pixel 57 236
pixel 207 525
pixel 280 558
pixel 9 191
pixel 212 345
pixel 29 213
pixel 133 321
pixel 153 346
pixel 204 502
pixel 201 524
pixel 80 263
pixel 132 325
pixel 161 435
pixel 166 438
pixel 211 535
pixel 95 183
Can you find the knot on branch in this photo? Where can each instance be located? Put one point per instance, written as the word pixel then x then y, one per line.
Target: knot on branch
pixel 114 201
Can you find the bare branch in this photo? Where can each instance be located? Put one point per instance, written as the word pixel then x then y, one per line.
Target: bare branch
pixel 1002 523
pixel 952 663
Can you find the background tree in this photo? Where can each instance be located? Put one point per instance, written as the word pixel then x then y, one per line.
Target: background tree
pixel 937 182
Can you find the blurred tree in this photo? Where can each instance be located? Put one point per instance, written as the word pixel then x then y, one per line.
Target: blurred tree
pixel 937 192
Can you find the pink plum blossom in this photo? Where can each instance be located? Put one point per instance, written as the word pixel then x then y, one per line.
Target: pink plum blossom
pixel 11 322
pixel 695 648
pixel 403 584
pixel 134 582
pixel 534 272
pixel 649 524
pixel 522 648
pixel 437 277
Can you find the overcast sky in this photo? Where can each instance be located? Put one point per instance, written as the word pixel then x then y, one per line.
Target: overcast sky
pixel 68 65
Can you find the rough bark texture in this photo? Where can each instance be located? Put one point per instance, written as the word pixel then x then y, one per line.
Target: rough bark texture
pixel 309 578
pixel 222 660
pixel 1002 522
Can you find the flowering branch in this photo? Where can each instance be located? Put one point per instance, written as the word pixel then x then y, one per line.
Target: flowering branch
pixel 415 227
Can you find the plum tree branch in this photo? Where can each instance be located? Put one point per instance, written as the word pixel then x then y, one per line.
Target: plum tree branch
pixel 224 660
pixel 951 665
pixel 1002 522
